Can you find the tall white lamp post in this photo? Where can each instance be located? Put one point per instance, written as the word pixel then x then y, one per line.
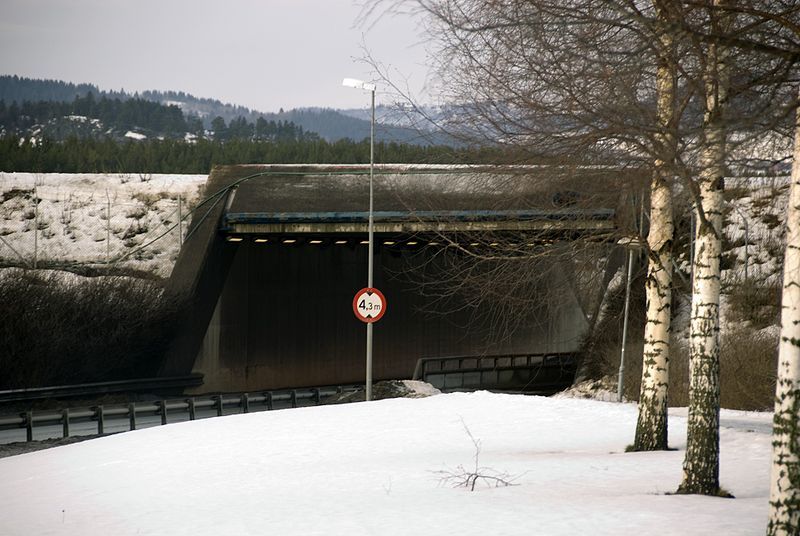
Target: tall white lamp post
pixel 360 84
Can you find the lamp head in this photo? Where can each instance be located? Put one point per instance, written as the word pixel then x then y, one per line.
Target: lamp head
pixel 358 84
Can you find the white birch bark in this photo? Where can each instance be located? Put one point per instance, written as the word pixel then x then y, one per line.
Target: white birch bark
pixel 701 461
pixel 784 497
pixel 651 426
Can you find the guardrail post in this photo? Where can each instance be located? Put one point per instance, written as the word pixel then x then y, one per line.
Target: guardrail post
pixel 29 426
pixel 220 402
pixel 245 403
pixel 268 399
pixel 192 411
pixel 339 390
pixel 101 420
pixel 293 396
pixel 316 396
pixel 132 415
pixel 65 422
pixel 163 411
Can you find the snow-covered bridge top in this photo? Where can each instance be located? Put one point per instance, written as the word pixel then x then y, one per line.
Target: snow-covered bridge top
pixel 335 199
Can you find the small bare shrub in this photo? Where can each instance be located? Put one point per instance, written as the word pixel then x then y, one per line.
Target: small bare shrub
pixel 149 199
pixel 136 213
pixel 15 193
pixel 136 228
pixel 461 477
pixel 755 302
pixel 771 220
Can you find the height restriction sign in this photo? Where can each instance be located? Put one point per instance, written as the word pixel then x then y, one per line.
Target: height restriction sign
pixel 369 305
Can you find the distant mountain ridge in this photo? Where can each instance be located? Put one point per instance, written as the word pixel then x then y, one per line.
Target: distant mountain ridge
pixel 329 124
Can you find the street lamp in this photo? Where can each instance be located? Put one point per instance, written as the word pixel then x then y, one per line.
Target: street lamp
pixel 359 84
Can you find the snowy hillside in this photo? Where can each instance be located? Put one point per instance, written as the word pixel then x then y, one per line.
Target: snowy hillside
pixel 94 219
pixel 381 468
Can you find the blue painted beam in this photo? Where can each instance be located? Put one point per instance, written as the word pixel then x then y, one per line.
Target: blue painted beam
pixel 429 215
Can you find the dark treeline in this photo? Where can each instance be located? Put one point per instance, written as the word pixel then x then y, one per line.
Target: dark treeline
pixel 17 88
pixel 141 115
pixel 76 155
pixel 116 113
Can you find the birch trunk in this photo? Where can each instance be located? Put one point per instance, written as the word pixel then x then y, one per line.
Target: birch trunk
pixel 651 426
pixel 701 461
pixel 784 497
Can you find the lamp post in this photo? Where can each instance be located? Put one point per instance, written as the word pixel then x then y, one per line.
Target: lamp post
pixel 359 84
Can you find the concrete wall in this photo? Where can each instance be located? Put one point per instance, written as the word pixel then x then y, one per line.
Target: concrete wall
pixel 284 319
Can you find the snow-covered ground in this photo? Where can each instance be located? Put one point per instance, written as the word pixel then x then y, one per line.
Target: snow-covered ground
pixel 371 468
pixel 95 219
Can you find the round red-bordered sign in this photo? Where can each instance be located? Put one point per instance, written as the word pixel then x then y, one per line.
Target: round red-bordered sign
pixel 369 305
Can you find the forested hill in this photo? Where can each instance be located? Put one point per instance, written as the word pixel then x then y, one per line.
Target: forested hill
pixel 14 88
pixel 138 119
pixel 330 124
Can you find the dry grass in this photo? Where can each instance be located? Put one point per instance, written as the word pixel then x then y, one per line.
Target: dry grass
pixel 748 353
pixel 748 361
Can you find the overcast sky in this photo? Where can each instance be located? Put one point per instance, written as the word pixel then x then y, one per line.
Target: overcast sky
pixel 265 55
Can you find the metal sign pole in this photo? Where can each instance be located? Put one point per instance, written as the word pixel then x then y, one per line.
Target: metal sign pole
pixel 371 244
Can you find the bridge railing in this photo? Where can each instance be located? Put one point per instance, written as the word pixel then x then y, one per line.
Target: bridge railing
pixel 541 373
pixel 159 411
pixel 145 385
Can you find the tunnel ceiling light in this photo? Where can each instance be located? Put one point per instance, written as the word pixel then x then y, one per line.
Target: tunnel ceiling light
pixel 261 240
pixel 234 239
pixel 389 242
pixel 340 242
pixel 364 242
pixel 433 243
pixel 494 244
pixel 289 240
pixel 315 241
pixel 473 244
pixel 412 243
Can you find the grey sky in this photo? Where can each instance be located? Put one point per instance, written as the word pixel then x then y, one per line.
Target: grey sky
pixel 261 54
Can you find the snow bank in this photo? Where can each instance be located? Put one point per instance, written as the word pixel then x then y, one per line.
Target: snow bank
pixel 604 389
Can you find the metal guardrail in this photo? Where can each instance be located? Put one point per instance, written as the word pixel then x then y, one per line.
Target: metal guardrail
pixel 102 388
pixel 549 372
pixel 244 402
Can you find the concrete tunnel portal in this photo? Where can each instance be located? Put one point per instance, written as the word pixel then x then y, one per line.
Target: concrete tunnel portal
pixel 275 254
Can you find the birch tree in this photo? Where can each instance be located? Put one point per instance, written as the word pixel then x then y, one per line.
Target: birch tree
pixel 748 41
pixel 651 425
pixel 784 496
pixel 701 462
